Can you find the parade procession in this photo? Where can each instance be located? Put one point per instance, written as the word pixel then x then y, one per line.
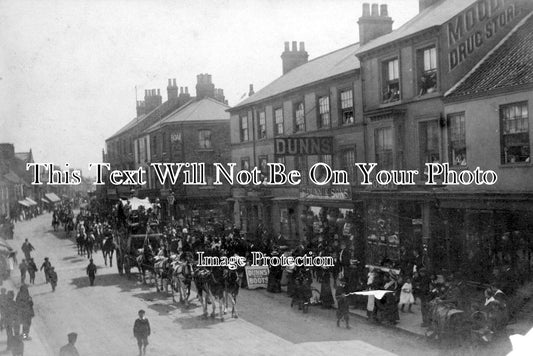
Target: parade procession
pixel 371 196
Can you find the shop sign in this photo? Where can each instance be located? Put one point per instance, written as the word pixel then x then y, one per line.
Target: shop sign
pixel 303 146
pixel 325 193
pixel 376 186
pixel 256 276
pixel 475 26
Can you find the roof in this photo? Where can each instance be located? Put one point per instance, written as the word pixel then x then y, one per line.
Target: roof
pixel 206 109
pixel 13 178
pixel 129 125
pixel 509 64
pixel 23 156
pixel 432 16
pixel 320 68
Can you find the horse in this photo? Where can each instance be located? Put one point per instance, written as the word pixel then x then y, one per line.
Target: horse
pixel 145 262
pixel 108 249
pixel 210 287
pixel 80 243
pixel 231 289
pixel 89 244
pixel 181 279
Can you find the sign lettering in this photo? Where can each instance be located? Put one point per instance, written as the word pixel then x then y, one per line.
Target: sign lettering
pixel 303 146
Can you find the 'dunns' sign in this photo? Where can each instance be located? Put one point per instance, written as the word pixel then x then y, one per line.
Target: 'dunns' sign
pixel 306 146
pixel 472 28
pixel 256 276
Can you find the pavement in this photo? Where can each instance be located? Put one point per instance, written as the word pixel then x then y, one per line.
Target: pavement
pixel 103 316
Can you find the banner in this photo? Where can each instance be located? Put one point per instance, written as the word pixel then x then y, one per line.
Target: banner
pixel 256 276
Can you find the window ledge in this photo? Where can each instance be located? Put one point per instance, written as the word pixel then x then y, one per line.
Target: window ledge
pixel 390 103
pixel 516 165
pixel 206 150
pixel 435 94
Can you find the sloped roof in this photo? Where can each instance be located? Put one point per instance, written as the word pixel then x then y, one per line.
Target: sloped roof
pixel 23 156
pixel 206 109
pixel 128 126
pixel 323 67
pixel 510 64
pixel 432 16
pixel 13 177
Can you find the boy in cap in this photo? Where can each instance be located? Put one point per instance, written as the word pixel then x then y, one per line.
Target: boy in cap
pixel 69 349
pixel 141 331
pixel 342 304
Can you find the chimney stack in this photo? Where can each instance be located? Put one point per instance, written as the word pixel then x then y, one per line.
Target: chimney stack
pixel 152 99
pixel 172 90
pixel 374 24
pixel 204 87
pixel 292 58
pixel 251 91
pixel 219 95
pixel 423 4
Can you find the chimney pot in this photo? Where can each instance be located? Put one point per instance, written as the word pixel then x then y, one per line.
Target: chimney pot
pixel 174 82
pixel 169 82
pixel 294 48
pixel 383 10
pixel 186 90
pixel 375 10
pixel 287 47
pixel 366 9
pixel 302 47
pixel 158 91
pixel 181 90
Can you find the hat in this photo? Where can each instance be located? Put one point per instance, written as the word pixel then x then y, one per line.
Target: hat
pixel 72 336
pixel 142 311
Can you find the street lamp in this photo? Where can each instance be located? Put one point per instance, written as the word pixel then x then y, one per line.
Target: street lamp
pixel 170 200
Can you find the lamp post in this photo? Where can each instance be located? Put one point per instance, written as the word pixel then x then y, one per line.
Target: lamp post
pixel 170 200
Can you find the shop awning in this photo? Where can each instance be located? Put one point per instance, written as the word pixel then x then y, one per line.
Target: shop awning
pixel 45 201
pixel 31 201
pixel 135 203
pixel 24 203
pixel 52 197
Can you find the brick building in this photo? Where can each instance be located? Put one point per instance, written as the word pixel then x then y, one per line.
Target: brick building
pixel 182 129
pixel 405 75
pixel 311 114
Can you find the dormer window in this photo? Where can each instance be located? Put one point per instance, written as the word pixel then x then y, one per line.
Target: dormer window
pixel 427 70
pixel 391 81
pixel 299 117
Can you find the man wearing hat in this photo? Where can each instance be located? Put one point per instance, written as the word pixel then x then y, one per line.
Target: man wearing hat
pixel 141 331
pixel 69 349
pixel 91 272
pixel 342 304
pixel 46 266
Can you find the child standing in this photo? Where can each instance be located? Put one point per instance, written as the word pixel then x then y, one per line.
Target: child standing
pixel 406 295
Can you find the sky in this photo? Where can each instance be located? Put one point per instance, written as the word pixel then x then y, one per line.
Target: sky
pixel 71 71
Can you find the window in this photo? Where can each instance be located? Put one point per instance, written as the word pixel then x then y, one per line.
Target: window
pixel 300 164
pixel 391 84
pixel 154 145
pixel 515 133
pixel 321 172
pixel 299 117
pixel 348 163
pixel 204 138
pixel 457 139
pixel 278 117
pixel 263 164
pixel 244 128
pixel 323 112
pixel 245 164
pixel 429 142
pixel 347 107
pixel 427 71
pixel 383 147
pixel 262 132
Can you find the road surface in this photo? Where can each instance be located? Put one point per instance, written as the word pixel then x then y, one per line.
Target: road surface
pixel 103 316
